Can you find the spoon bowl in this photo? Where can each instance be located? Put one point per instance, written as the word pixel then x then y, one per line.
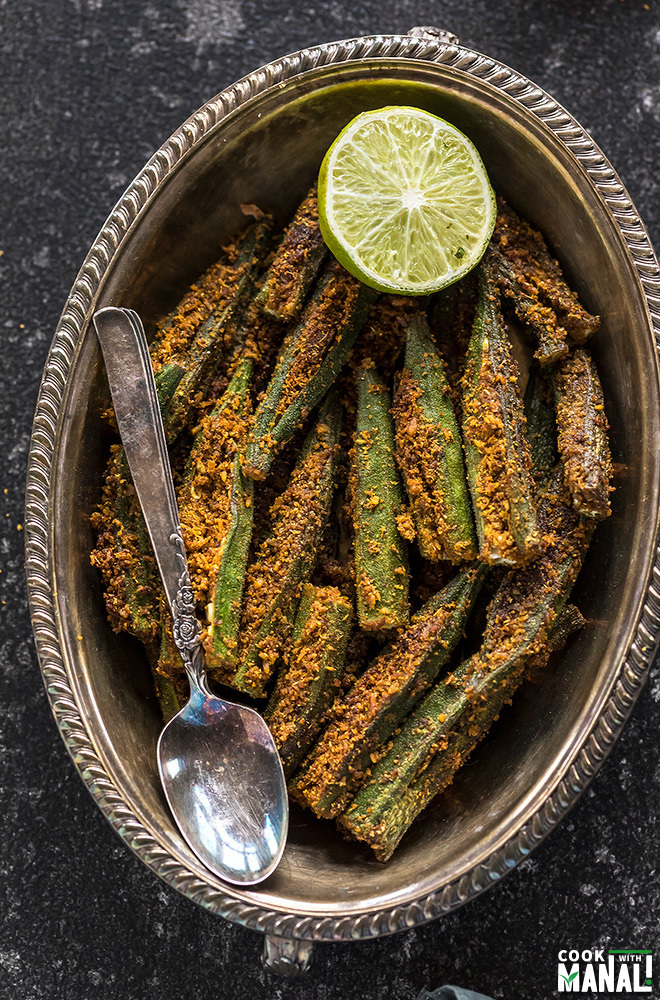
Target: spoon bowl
pixel 224 786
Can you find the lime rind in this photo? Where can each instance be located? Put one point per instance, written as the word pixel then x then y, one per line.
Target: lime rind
pixel 405 203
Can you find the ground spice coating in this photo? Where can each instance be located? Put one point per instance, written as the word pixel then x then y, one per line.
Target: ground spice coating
pixel 382 339
pixel 497 453
pixel 582 434
pixel 312 676
pixel 286 557
pixel 379 699
pixel 310 359
pixel 429 453
pixel 533 280
pixel 295 264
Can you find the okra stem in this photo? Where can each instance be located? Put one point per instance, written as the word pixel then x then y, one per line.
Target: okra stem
pixel 379 699
pixel 311 677
pixel 496 450
pixel 430 454
pixel 381 568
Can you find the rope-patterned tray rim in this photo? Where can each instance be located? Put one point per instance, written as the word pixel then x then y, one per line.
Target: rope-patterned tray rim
pixel 426 45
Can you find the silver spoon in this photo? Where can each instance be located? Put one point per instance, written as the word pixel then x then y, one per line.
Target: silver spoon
pixel 219 766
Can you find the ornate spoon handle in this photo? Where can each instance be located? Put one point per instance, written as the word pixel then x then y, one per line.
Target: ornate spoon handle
pixel 135 400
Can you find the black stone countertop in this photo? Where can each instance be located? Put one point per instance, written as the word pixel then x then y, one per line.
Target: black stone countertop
pixel 88 90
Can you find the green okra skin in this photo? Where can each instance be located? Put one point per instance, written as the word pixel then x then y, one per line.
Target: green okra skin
pixel 123 549
pixel 310 678
pixel 224 627
pixel 295 265
pixel 497 453
pixel 381 567
pixel 380 698
pixel 430 454
pixel 219 335
pixel 236 505
pixel 286 557
pixel 541 425
pixel 310 360
pixel 458 712
pixel 582 433
pixel 551 337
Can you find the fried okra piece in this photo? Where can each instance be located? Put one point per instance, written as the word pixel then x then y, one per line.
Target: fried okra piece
pixel 496 450
pixel 430 454
pixel 286 557
pixel 533 280
pixel 444 729
pixel 311 676
pixel 295 264
pixel 310 360
pixel 382 696
pixel 215 505
pixel 123 552
pixel 216 340
pixel 381 567
pixel 582 434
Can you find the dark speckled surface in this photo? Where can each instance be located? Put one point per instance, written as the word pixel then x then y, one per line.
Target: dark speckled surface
pixel 88 89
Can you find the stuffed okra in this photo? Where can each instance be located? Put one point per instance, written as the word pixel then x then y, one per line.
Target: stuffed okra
pixel 295 264
pixel 311 358
pixel 443 730
pixel 430 454
pixel 582 433
pixel 312 674
pixel 496 449
pixel 378 700
pixel 286 557
pixel 381 566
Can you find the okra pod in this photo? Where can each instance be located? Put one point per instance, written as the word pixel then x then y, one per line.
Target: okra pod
pixel 311 676
pixel 286 557
pixel 215 504
pixel 550 336
pixel 309 362
pixel 534 281
pixel 383 695
pixel 123 551
pixel 216 339
pixel 541 425
pixel 447 725
pixel 496 450
pixel 582 434
pixel 430 454
pixel 295 264
pixel 381 568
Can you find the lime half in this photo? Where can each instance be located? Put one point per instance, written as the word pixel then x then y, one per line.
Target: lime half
pixel 405 203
